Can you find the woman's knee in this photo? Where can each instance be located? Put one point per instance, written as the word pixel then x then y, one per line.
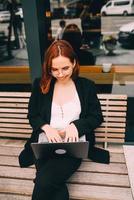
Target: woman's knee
pixel 46 180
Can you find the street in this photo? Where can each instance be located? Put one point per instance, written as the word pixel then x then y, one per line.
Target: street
pixel 122 55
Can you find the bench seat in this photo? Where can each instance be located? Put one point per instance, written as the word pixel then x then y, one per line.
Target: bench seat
pixel 92 181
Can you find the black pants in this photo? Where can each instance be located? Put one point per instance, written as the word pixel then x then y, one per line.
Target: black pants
pixel 50 182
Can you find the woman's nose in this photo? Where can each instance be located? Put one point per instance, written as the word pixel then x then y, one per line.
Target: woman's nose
pixel 60 73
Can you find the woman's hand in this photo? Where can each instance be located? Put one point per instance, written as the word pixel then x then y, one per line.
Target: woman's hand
pixel 71 133
pixel 51 133
pixel 62 134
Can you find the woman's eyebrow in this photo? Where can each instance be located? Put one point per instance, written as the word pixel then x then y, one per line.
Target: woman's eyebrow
pixel 60 68
pixel 54 68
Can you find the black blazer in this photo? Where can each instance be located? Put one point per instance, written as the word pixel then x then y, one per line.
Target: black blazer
pixel 39 111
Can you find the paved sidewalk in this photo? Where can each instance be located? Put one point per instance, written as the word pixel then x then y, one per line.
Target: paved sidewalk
pixel 20 58
pixel 122 56
pixel 129 156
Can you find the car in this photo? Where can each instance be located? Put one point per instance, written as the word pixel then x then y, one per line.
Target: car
pixel 126 35
pixel 4 16
pixel 20 12
pixel 118 7
pixel 73 8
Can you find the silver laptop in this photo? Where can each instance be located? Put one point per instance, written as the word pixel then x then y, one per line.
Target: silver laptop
pixel 46 150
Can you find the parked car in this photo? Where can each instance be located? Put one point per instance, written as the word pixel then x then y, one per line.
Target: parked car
pixel 73 8
pixel 126 35
pixel 5 15
pixel 20 12
pixel 118 7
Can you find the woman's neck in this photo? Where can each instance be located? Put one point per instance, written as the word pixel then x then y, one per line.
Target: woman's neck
pixel 63 84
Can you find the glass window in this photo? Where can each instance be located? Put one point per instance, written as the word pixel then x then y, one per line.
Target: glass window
pixel 121 3
pixel 95 30
pixel 13 48
pixel 109 4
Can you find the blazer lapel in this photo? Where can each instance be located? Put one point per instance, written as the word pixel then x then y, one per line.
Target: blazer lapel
pixel 80 92
pixel 48 101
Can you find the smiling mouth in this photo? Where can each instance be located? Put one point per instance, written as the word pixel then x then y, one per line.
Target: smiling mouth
pixel 62 77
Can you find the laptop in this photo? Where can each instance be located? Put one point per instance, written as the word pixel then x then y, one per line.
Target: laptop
pixel 46 150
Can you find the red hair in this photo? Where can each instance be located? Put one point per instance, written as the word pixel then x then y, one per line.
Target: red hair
pixel 52 52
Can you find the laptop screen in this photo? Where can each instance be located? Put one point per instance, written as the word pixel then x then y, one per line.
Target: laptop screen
pixel 74 149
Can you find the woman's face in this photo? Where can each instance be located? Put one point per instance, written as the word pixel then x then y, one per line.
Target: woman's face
pixel 62 68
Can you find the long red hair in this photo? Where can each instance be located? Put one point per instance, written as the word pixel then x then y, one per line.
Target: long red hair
pixel 52 52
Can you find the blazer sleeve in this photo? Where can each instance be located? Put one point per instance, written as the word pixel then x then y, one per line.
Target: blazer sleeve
pixel 91 117
pixel 34 114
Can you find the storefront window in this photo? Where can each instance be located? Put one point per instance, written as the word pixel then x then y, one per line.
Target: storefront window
pixel 13 49
pixel 100 23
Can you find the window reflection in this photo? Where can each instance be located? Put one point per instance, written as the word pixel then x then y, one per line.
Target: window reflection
pixel 96 25
pixel 12 34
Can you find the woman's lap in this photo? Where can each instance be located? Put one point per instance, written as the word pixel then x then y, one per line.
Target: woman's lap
pixel 57 169
pixel 51 176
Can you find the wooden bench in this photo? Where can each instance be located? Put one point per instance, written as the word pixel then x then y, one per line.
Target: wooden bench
pixel 14 122
pixel 92 181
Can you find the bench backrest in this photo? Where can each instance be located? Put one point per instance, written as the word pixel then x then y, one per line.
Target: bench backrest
pixel 114 109
pixel 14 122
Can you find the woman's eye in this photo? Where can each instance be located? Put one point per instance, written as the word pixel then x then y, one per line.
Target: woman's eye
pixel 66 68
pixel 54 70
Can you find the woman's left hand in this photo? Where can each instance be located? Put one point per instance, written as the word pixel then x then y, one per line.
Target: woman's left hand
pixel 71 133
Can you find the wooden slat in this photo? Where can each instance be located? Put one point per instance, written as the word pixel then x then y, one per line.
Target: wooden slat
pixel 23 125
pixel 115 119
pixel 15 94
pixel 12 110
pixel 92 192
pixel 112 168
pixel 110 135
pixel 111 124
pixel 15 130
pixel 25 187
pixel 78 177
pixel 111 130
pixel 14 197
pixel 115 103
pixel 110 140
pixel 9 160
pixel 86 166
pixel 15 135
pixel 14 125
pixel 14 115
pixel 112 96
pixel 111 108
pixel 17 172
pixel 114 114
pixel 13 105
pixel 16 120
pixel 17 100
pixel 10 150
pixel 100 179
pixel 15 186
pixel 12 160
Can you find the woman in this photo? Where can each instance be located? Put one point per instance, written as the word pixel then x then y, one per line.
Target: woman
pixel 62 105
pixel 72 34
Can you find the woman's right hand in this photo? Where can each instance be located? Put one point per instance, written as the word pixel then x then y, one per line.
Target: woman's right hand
pixel 51 133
